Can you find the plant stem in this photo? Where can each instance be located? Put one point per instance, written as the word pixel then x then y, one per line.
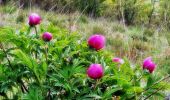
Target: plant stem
pixel 155 84
pixel 28 30
pixel 1 46
pixel 46 53
pixel 153 93
pixel 46 56
pixel 36 32
pixel 97 82
pixel 23 87
pixel 49 94
pixel 140 76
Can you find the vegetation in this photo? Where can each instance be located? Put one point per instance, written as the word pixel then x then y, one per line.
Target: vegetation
pixel 50 60
pixel 35 69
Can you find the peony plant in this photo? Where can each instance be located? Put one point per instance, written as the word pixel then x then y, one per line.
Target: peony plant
pixel 36 70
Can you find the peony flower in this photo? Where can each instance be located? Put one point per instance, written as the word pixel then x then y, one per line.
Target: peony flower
pixel 118 60
pixel 149 64
pixel 34 19
pixel 96 41
pixel 95 71
pixel 47 36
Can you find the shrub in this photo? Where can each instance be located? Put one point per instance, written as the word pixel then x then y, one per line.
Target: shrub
pixel 31 68
pixel 133 11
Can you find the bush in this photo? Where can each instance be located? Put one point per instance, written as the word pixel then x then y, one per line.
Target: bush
pixel 133 11
pixel 33 69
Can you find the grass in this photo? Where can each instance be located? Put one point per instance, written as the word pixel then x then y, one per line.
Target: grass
pixel 132 42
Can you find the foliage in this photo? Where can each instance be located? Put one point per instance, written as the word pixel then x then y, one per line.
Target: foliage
pixel 33 69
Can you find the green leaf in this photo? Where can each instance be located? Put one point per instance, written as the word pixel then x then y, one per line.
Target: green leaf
pixel 29 62
pixel 108 93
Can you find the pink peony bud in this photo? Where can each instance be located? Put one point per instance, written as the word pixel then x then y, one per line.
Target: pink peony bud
pixel 47 36
pixel 96 41
pixel 34 19
pixel 95 71
pixel 149 64
pixel 118 60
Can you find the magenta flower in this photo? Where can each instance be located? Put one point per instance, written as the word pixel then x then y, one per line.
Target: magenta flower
pixel 118 60
pixel 47 36
pixel 149 64
pixel 95 71
pixel 96 41
pixel 34 19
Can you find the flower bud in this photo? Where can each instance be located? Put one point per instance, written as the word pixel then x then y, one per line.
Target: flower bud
pixel 118 60
pixel 95 71
pixel 47 36
pixel 34 19
pixel 149 64
pixel 96 41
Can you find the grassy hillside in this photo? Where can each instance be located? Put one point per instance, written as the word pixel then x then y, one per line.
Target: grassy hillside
pixel 134 42
pixel 63 75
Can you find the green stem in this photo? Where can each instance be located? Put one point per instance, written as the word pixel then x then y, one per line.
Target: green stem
pixel 23 87
pixel 153 93
pixel 97 82
pixel 46 53
pixel 36 32
pixel 28 30
pixel 140 76
pixel 1 46
pixel 155 84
